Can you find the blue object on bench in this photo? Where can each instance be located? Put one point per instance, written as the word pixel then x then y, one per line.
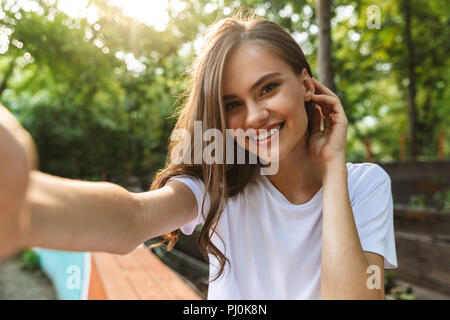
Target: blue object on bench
pixel 69 271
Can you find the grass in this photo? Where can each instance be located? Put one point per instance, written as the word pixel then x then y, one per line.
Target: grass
pixel 29 260
pixel 394 291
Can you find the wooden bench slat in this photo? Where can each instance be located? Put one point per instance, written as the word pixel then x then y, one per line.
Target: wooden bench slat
pixel 116 286
pixel 96 290
pixel 141 277
pixel 163 275
pixel 137 275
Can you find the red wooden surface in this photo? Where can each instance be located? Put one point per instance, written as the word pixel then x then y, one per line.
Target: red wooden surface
pixel 139 275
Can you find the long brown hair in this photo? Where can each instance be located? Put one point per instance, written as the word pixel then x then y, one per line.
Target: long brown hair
pixel 203 102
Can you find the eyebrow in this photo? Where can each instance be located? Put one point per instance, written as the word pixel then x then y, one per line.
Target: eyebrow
pixel 256 84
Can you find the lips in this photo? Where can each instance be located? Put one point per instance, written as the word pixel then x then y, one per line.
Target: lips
pixel 267 132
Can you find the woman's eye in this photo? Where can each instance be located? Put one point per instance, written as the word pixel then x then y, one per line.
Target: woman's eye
pixel 268 88
pixel 232 105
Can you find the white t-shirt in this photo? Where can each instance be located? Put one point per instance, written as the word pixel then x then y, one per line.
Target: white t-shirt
pixel 275 246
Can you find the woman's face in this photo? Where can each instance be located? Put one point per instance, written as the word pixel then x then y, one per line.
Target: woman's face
pixel 261 91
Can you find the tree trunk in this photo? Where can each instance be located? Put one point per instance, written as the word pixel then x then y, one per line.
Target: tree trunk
pixel 326 72
pixel 411 90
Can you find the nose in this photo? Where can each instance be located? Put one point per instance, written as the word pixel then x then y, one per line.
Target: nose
pixel 257 115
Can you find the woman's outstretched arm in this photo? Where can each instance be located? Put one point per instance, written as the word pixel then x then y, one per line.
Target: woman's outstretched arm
pixel 75 215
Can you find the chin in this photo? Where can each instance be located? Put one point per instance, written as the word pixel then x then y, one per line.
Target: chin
pixel 272 156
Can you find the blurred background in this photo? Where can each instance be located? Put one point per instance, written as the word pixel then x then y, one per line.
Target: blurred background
pixel 96 83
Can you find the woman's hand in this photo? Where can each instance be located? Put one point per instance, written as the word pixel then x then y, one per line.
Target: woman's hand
pixel 328 141
pixel 17 157
pixel 10 123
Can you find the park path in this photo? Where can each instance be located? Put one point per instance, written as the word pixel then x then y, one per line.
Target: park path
pixel 18 284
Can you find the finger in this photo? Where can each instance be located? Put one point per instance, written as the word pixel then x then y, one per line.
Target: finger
pixel 338 118
pixel 322 88
pixel 325 98
pixel 331 102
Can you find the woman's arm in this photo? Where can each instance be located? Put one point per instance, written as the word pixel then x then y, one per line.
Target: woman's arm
pixel 344 263
pixel 38 209
pixel 100 216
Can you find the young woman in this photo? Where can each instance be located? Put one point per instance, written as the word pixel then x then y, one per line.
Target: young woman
pixel 319 227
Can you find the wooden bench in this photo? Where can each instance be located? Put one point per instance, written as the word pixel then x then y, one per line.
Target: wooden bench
pixel 139 275
pixel 414 178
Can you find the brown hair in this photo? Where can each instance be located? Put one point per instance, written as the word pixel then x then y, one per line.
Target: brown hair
pixel 204 103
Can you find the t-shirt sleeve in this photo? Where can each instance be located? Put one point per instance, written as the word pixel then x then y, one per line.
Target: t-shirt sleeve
pixel 198 189
pixel 373 210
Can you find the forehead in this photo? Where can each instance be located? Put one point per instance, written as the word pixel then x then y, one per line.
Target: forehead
pixel 247 63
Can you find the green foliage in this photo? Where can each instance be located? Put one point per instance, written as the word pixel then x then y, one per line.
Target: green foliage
pixel 440 201
pixel 395 292
pixel 96 96
pixel 29 260
pixel 442 198
pixel 418 201
pixel 401 293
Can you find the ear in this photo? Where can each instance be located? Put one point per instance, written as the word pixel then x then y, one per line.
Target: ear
pixel 306 84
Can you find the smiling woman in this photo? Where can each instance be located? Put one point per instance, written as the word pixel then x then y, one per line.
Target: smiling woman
pixel 310 230
pixel 280 236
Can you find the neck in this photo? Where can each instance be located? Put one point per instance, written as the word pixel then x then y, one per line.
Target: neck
pixel 298 177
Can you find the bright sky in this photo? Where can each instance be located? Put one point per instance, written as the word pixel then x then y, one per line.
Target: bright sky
pixel 151 12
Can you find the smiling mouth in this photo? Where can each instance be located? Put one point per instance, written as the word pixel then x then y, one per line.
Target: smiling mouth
pixel 267 134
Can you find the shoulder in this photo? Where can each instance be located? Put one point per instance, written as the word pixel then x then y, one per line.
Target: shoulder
pixel 373 209
pixel 366 178
pixel 194 183
pixel 366 173
pixel 196 186
pixel 363 169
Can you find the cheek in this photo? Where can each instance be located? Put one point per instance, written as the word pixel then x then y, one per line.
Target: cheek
pixel 289 106
pixel 292 108
pixel 299 117
pixel 235 121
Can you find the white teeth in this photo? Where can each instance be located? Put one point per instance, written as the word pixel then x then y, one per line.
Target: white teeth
pixel 265 135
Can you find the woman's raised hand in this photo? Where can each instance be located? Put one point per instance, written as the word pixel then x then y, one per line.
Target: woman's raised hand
pixel 327 143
